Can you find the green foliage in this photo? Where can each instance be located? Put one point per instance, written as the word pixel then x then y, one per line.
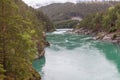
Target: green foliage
pixel 108 21
pixel 86 22
pixel 20 30
pixel 1 72
pixel 66 24
pixel 48 25
pixel 64 11
pixel 117 22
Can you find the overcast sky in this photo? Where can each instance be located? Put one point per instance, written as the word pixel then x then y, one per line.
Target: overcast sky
pixel 36 3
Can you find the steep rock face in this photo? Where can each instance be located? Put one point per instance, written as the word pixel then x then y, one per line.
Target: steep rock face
pixel 41 48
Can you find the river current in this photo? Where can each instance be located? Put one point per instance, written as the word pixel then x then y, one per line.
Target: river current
pixel 78 57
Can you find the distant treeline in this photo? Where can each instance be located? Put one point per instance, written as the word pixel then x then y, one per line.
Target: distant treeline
pixel 64 11
pixel 66 24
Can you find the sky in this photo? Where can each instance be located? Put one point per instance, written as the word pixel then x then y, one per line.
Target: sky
pixel 38 3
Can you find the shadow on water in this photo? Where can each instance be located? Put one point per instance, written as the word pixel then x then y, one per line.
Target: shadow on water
pixel 111 51
pixel 39 64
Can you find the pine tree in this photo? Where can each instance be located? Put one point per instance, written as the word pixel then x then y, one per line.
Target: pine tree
pixel 17 45
pixel 20 35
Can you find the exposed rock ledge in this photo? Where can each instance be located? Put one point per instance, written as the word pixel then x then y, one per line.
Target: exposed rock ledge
pixel 41 48
pixel 113 37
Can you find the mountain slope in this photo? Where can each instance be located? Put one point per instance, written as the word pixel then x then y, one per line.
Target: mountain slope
pixel 65 11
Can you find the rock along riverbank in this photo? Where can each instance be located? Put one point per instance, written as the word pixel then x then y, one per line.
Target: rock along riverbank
pixel 113 37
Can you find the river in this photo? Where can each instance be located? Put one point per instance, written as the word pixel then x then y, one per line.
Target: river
pixel 78 57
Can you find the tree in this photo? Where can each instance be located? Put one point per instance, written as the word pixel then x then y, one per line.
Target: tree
pixel 20 31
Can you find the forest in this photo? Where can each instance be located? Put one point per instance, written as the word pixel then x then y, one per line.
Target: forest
pixel 108 21
pixel 21 32
pixel 66 24
pixel 63 11
pixel 23 28
pixel 60 12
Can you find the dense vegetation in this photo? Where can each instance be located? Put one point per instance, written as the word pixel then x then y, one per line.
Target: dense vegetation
pixel 21 29
pixel 66 24
pixel 108 21
pixel 48 24
pixel 64 11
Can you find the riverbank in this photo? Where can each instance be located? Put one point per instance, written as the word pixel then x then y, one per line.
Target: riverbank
pixel 113 37
pixel 41 49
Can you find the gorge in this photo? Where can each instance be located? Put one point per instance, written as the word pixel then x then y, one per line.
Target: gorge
pixel 78 57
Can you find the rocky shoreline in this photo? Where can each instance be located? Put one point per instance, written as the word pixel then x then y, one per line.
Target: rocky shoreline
pixel 41 53
pixel 41 49
pixel 113 37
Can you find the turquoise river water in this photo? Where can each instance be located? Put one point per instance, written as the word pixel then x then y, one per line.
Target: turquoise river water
pixel 78 57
